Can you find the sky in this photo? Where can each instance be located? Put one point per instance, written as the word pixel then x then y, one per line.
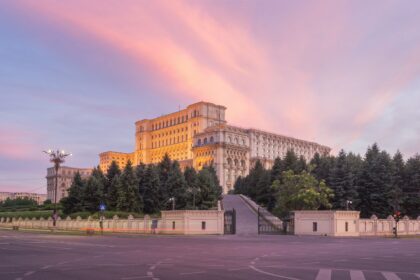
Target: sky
pixel 76 75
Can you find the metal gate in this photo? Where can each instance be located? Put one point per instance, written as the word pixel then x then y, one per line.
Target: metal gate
pixel 269 224
pixel 230 222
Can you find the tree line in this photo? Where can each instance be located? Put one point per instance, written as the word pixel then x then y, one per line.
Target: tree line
pixel 376 183
pixel 144 188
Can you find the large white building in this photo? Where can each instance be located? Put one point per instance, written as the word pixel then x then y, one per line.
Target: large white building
pixel 64 180
pixel 199 135
pixel 39 198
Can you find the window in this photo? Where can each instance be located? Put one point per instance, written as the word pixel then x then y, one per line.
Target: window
pixel 314 226
pixel 173 224
pixel 205 140
pixel 347 226
pixel 203 225
pixel 211 139
pixel 199 142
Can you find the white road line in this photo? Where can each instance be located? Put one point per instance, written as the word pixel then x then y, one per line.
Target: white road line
pixel 194 272
pixel 356 275
pixel 418 275
pixel 135 277
pixel 29 273
pixel 324 274
pixel 390 276
pixel 149 273
pixel 271 274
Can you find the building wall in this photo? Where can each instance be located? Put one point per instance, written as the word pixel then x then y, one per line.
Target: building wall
pixel 187 222
pixel 39 198
pixel 199 135
pixel 121 159
pixel 65 179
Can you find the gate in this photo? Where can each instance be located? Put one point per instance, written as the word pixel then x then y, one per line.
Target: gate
pixel 268 223
pixel 230 222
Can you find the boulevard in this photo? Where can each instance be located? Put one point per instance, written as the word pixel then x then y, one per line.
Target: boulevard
pixel 25 255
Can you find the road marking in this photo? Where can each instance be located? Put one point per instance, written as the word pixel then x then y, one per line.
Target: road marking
pixel 135 277
pixel 271 274
pixel 236 269
pixel 194 272
pixel 46 267
pixel 390 276
pixel 29 273
pixel 356 275
pixel 418 275
pixel 324 274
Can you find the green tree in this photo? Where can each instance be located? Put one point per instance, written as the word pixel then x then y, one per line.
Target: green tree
pixel 255 175
pixel 398 180
pixel 149 190
pixel 177 186
pixel 375 184
pixel 74 201
pixel 128 194
pixel 193 188
pixel 93 192
pixel 277 169
pixel 411 190
pixel 321 167
pixel 110 190
pixel 164 169
pixel 301 192
pixel 264 192
pixel 210 189
pixel 290 162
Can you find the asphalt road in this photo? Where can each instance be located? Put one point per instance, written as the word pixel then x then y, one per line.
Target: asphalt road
pixel 43 256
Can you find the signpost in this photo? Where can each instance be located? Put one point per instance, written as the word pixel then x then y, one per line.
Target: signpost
pixel 397 218
pixel 102 208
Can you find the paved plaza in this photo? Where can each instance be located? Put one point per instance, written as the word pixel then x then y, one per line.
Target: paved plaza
pixel 26 255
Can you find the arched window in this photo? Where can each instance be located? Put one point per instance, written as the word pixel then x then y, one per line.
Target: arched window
pixel 205 140
pixel 211 139
pixel 199 142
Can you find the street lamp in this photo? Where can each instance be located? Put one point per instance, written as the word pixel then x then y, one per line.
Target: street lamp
pixel 348 203
pixel 56 157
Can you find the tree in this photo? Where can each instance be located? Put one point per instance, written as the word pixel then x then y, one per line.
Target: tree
pixel 398 180
pixel 128 195
pixel 301 192
pixel 277 169
pixel 375 184
pixel 110 190
pixel 254 177
pixel 92 194
pixel 290 161
pixel 176 186
pixel 193 189
pixel 321 167
pixel 264 191
pixel 149 190
pixel 301 165
pixel 74 201
pixel 164 168
pixel 411 190
pixel 210 189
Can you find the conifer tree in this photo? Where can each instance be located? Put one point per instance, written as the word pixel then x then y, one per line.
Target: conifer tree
pixel 398 180
pixel 210 189
pixel 411 190
pixel 74 201
pixel 129 198
pixel 277 169
pixel 193 189
pixel 253 178
pixel 111 192
pixel 176 186
pixel 290 162
pixel 93 193
pixel 149 190
pixel 164 168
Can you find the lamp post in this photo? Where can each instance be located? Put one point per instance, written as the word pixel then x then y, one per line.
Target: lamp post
pixel 348 203
pixel 56 157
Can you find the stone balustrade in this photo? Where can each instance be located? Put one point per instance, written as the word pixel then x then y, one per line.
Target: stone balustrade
pixel 172 222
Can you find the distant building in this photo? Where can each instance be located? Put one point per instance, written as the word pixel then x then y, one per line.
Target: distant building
pixel 199 135
pixel 39 198
pixel 65 179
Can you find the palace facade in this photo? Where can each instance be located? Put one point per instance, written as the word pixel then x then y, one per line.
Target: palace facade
pixel 199 135
pixel 65 176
